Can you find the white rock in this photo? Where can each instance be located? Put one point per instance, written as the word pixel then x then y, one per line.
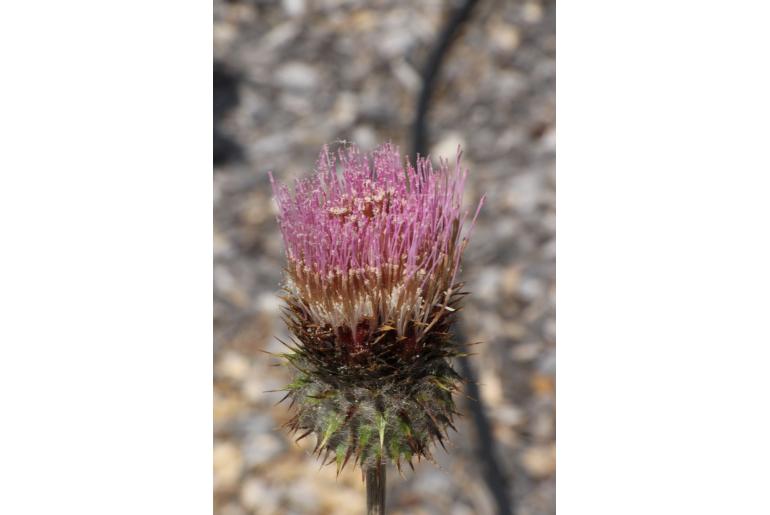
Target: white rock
pixel 491 388
pixel 294 7
pixel 432 482
pixel 525 191
pixel 539 461
pixel 302 497
pixel 224 35
pixel 531 288
pixel 487 284
pixel 298 76
pixel 509 415
pixel 345 109
pixel 228 464
pixel 532 12
pixel 233 365
pixel 395 42
pixel 268 303
pixel 365 137
pixel 525 352
pixel 256 495
pixel 262 449
pixel 504 36
pixel 279 36
pixel 510 84
pixel 447 146
pixel 406 75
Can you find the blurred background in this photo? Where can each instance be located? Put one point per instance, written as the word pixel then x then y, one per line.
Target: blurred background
pixel 292 75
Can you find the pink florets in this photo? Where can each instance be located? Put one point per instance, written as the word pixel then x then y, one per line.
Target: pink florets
pixel 387 224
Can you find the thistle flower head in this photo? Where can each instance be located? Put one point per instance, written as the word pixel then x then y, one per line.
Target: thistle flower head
pixel 373 251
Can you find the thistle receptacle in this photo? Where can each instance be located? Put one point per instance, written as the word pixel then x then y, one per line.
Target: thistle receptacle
pixel 373 250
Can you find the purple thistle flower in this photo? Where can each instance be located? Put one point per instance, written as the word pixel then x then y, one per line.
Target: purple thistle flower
pixel 373 251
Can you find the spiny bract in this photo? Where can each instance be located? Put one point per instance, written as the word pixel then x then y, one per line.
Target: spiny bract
pixel 373 251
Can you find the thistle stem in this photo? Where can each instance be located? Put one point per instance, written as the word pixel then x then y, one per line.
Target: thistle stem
pixel 375 490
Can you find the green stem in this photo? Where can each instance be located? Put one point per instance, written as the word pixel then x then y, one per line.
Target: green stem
pixel 375 490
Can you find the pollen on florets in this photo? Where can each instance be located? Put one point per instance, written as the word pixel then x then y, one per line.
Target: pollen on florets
pixel 373 250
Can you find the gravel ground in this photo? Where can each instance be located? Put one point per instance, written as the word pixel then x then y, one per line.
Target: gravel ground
pixel 290 76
